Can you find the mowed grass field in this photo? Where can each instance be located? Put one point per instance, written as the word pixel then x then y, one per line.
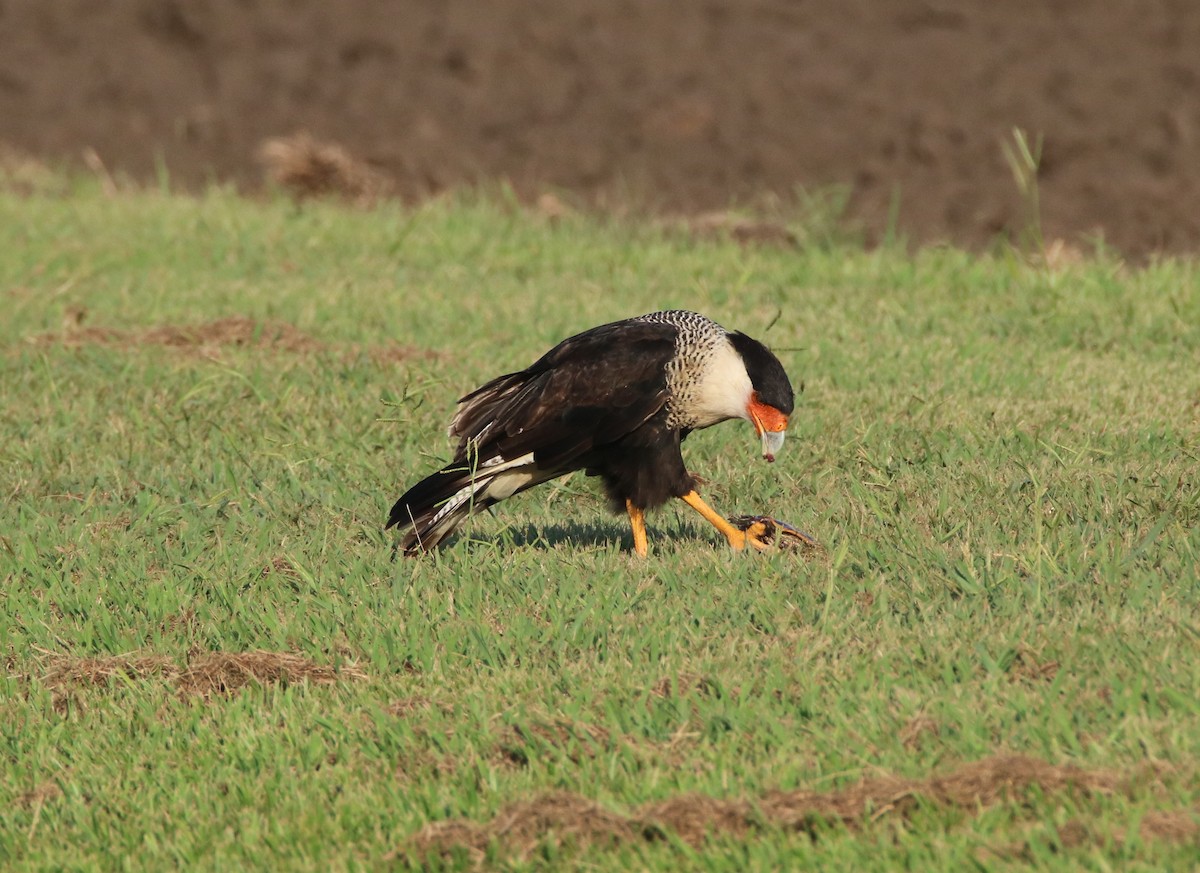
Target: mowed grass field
pixel 212 660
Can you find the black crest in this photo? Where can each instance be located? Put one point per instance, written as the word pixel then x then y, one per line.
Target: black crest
pixel 766 373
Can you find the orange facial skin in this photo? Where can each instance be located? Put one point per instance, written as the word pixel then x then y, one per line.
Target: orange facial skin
pixel 769 423
pixel 764 417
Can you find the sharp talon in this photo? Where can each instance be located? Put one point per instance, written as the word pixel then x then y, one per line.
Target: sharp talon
pixel 763 532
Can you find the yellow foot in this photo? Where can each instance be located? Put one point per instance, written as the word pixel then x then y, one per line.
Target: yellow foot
pixel 758 533
pixel 637 521
pixel 736 538
pixel 766 532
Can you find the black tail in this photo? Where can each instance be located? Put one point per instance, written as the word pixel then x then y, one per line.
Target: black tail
pixel 434 508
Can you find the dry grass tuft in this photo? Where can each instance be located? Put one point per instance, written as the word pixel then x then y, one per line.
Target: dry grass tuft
pixel 230 331
pixel 564 818
pixel 1060 255
pixel 560 817
pixel 24 174
pixel 400 354
pixel 982 783
pixel 745 231
pixel 1170 826
pixel 1026 666
pixel 407 706
pixel 65 672
pixel 579 740
pixel 205 674
pixel 1177 826
pixel 307 168
pixel 207 338
pixel 279 565
pixel 920 727
pixel 41 794
pixel 684 684
pixel 1070 836
pixel 696 817
pixel 220 673
pixel 551 206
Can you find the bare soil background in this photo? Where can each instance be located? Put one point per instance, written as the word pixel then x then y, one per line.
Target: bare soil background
pixel 668 107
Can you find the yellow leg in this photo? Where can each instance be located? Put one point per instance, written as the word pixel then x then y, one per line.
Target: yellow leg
pixel 637 520
pixel 737 539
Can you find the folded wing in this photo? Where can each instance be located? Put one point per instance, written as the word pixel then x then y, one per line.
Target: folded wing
pixel 524 428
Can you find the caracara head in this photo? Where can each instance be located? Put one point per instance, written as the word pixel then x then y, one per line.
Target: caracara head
pixel 770 399
pixel 769 423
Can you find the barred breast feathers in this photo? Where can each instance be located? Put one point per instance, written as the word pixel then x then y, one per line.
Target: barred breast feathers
pixel 706 377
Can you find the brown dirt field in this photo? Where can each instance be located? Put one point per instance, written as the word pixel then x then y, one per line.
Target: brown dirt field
pixel 671 107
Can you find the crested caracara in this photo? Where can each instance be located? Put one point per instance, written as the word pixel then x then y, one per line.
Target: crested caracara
pixel 614 401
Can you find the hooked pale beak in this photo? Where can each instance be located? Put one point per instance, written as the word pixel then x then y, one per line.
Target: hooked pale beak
pixel 770 424
pixel 772 442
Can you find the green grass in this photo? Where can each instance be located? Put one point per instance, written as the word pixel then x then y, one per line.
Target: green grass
pixel 1001 461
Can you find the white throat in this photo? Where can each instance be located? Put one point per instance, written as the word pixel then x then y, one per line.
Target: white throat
pixel 724 388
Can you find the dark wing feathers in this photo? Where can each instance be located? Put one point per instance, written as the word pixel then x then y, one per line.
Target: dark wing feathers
pixel 588 390
pixel 479 407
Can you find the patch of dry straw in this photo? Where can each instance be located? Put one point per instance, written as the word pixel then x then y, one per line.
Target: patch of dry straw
pixel 566 818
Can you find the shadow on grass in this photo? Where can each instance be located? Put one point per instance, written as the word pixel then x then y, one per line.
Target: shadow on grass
pixel 589 535
pixel 586 535
pixel 594 535
pixel 778 535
